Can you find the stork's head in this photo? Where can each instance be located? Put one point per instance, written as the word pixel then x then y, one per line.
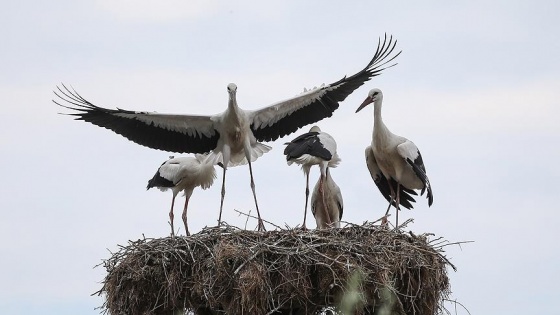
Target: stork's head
pixel 231 88
pixel 315 129
pixel 373 96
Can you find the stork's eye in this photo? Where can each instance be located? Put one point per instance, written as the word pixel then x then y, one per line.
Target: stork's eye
pixel 375 93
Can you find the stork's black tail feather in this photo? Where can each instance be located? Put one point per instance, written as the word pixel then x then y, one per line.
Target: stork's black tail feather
pixel 158 181
pixel 405 194
pixel 424 178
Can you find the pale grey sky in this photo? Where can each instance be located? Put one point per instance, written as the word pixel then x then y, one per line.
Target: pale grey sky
pixel 475 89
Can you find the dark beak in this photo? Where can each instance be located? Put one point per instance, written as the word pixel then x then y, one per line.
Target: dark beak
pixel 367 101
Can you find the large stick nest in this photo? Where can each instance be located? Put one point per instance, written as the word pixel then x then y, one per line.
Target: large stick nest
pixel 233 271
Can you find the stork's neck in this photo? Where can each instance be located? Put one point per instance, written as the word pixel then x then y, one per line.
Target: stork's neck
pixel 231 113
pixel 233 108
pixel 232 103
pixel 380 131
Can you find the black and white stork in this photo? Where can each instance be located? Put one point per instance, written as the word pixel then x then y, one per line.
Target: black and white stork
pixel 331 203
pixel 183 174
pixel 394 162
pixel 233 135
pixel 313 148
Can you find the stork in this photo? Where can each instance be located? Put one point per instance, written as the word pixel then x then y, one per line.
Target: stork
pixel 331 203
pixel 233 135
pixel 183 174
pixel 313 148
pixel 394 162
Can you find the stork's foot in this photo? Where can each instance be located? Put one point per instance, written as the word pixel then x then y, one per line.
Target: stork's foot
pixel 385 221
pixel 331 225
pixel 172 229
pixel 261 227
pixel 303 227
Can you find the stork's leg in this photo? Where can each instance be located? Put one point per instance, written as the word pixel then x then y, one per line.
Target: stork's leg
pixel 261 224
pixel 398 201
pixel 306 200
pixel 185 215
pixel 223 194
pixel 171 217
pixel 389 207
pixel 384 220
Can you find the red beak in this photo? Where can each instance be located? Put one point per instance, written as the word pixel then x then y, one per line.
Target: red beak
pixel 367 101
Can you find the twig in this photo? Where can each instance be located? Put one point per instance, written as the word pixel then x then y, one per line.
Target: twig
pixel 251 216
pixel 457 303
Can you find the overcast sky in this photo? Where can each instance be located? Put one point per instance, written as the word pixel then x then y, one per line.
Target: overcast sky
pixel 476 88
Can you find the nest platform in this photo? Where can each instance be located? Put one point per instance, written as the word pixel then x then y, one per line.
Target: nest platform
pixel 227 270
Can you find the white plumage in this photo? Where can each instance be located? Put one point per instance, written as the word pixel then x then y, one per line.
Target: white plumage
pixel 331 203
pixel 232 136
pixel 394 162
pixel 183 174
pixel 313 148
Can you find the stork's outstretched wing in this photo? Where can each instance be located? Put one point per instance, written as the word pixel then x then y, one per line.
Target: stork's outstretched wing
pixel 383 183
pixel 285 117
pixel 168 132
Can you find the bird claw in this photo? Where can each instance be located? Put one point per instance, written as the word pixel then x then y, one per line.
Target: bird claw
pixel 384 221
pixel 260 226
pixel 172 231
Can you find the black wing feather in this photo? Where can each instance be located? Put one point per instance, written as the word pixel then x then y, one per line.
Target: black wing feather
pixel 307 143
pixel 420 171
pixel 159 181
pixel 384 185
pixel 135 130
pixel 404 195
pixel 329 102
pixel 340 208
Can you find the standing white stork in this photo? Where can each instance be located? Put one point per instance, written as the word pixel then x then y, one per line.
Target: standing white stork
pixel 183 174
pixel 331 203
pixel 232 135
pixel 313 148
pixel 394 162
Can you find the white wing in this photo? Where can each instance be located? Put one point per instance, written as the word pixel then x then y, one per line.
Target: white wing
pixel 408 150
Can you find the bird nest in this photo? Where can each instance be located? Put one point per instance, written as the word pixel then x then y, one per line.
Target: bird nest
pixel 227 270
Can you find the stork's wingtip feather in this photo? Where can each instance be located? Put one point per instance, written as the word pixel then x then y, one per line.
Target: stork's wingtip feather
pixel 430 197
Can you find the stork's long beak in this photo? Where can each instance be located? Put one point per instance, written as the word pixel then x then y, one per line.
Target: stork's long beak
pixel 367 101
